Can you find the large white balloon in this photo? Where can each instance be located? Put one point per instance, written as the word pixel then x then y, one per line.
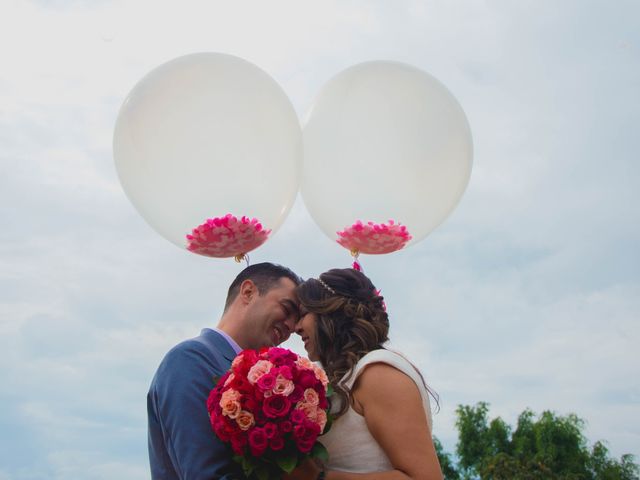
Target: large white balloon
pixel 384 141
pixel 203 141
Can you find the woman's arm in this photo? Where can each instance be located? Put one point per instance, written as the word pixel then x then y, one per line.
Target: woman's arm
pixel 392 407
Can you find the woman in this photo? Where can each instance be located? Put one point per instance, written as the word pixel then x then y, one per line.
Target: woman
pixel 383 424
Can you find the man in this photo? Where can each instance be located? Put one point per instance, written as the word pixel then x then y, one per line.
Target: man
pixel 260 310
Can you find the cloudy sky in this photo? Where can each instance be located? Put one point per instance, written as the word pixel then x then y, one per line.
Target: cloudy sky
pixel 527 296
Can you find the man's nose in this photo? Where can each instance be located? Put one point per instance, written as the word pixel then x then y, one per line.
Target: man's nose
pixel 290 322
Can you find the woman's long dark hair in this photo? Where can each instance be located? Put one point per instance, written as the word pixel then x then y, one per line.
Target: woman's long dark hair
pixel 352 321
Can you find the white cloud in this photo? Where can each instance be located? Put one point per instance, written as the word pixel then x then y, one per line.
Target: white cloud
pixel 526 296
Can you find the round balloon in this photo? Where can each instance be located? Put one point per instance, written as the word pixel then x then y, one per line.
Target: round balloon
pixel 208 149
pixel 388 154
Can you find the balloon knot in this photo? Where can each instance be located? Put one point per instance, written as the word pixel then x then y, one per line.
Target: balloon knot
pixel 242 256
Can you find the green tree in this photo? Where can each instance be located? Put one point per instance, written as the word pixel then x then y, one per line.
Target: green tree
pixel 447 464
pixel 547 447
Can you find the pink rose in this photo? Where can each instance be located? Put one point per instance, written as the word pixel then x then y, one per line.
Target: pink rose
pixel 237 361
pixel 321 375
pixel 267 382
pixel 304 363
pixel 280 356
pixel 261 368
pixel 321 418
pixel 245 420
pixel 283 386
pixel 313 413
pixel 230 404
pixel 311 396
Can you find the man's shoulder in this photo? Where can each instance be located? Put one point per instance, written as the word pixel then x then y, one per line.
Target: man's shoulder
pixel 206 344
pixel 192 358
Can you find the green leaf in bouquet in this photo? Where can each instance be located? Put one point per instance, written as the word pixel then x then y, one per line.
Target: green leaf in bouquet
pixel 288 461
pixel 328 425
pixel 320 452
pixel 247 465
pixel 262 473
pixel 329 390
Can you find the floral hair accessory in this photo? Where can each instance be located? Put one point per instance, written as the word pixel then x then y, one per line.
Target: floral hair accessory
pixel 384 305
pixel 227 236
pixel 324 284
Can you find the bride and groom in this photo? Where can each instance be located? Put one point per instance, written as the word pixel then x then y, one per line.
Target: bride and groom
pixel 382 426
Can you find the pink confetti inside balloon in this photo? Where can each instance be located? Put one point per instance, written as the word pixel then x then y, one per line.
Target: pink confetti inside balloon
pixel 374 238
pixel 227 236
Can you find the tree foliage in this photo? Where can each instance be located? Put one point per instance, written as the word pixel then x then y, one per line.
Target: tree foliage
pixel 548 446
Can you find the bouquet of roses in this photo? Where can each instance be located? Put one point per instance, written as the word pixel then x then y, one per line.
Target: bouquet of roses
pixel 271 406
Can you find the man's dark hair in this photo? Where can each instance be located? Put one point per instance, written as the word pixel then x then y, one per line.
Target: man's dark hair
pixel 264 275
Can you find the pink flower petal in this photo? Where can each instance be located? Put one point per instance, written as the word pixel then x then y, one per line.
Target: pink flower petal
pixel 374 238
pixel 226 236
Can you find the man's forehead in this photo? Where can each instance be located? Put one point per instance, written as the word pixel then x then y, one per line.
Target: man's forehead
pixel 286 292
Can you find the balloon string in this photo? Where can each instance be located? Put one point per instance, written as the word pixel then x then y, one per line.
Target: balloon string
pixel 356 264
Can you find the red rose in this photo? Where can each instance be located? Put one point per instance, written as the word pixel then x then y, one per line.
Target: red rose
pixel 260 417
pixel 271 429
pixel 238 443
pixel 297 416
pixel 276 406
pixel 276 443
pixel 241 384
pixel 306 379
pixel 249 403
pixel 245 361
pixel 323 403
pixel 221 427
pixel 281 356
pixel 305 447
pixel 307 431
pixel 267 382
pixel 297 394
pixel 220 430
pixel 213 400
pixel 285 426
pixel 285 371
pixel 258 441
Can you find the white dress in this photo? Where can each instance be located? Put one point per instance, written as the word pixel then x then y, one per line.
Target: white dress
pixel 351 446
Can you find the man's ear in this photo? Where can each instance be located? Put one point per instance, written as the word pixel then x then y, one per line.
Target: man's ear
pixel 248 291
